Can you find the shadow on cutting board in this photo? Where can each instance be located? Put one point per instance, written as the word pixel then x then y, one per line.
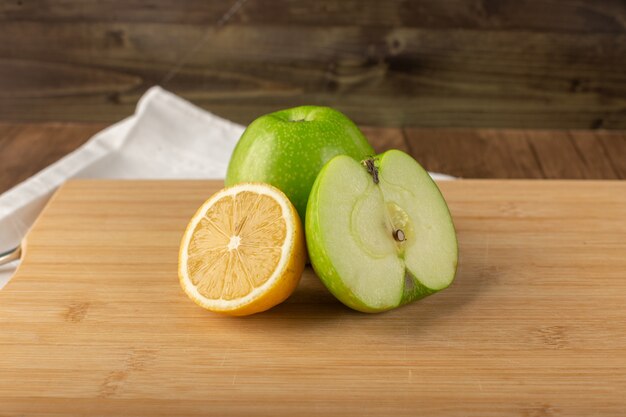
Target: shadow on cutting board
pixel 312 307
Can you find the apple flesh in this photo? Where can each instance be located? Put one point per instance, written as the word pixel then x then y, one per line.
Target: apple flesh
pixel 379 232
pixel 288 148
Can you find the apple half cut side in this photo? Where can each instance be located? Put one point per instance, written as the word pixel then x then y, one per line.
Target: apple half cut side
pixel 379 232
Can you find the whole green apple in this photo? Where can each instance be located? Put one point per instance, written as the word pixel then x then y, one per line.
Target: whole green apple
pixel 288 148
pixel 379 233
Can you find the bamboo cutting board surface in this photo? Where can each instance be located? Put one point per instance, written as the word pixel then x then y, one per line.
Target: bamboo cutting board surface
pixel 94 322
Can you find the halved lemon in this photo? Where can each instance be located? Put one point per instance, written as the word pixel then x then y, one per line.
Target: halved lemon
pixel 243 251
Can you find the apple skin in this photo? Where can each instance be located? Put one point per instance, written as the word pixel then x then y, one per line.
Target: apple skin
pixel 323 265
pixel 288 149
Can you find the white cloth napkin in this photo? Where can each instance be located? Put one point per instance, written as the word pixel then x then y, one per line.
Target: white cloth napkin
pixel 167 137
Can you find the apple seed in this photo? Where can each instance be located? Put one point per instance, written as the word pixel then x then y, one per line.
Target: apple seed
pixel 398 235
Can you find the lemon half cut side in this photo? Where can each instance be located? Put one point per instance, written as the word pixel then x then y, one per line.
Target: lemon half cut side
pixel 243 251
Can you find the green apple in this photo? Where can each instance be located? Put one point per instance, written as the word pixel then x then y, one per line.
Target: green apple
pixel 379 233
pixel 288 149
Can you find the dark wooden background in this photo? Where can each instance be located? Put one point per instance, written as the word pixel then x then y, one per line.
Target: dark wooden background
pixel 428 63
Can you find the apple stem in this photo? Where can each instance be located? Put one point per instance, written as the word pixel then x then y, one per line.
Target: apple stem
pixel 371 168
pixel 398 235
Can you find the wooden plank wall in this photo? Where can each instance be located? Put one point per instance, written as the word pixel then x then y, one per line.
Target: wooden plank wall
pixel 426 63
pixel 26 148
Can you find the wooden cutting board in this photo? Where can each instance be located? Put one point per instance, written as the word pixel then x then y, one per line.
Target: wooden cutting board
pixel 94 322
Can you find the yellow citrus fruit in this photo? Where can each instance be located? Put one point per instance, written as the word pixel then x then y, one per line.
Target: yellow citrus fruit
pixel 243 251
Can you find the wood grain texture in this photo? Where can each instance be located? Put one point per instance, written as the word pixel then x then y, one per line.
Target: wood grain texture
pixel 616 149
pixel 470 153
pixel 95 323
pixel 26 149
pixel 385 138
pixel 489 153
pixel 398 63
pixel 607 16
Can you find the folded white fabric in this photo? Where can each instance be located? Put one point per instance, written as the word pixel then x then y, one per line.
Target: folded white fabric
pixel 167 137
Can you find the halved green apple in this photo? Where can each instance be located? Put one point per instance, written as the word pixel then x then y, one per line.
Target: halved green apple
pixel 379 232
